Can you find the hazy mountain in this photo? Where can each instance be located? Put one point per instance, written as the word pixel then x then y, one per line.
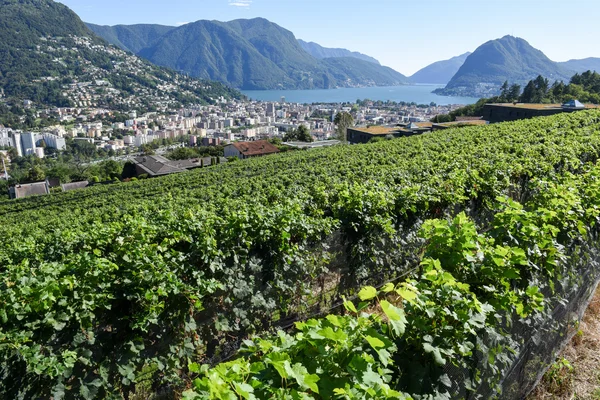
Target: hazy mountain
pixel 249 54
pixel 441 71
pixel 132 38
pixel 320 52
pixel 343 68
pixel 45 49
pixel 507 59
pixel 586 64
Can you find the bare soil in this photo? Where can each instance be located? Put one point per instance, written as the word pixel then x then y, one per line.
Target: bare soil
pixel 582 380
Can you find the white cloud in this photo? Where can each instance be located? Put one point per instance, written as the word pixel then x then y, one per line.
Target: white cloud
pixel 240 3
pixel 181 23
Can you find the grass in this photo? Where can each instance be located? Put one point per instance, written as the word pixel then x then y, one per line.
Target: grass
pixel 576 373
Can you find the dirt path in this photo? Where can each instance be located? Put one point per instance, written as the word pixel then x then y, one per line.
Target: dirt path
pixel 576 374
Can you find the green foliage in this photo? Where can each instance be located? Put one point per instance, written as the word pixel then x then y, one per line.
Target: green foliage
pixel 35 174
pixel 559 378
pixel 103 285
pixel 584 87
pixel 301 134
pixel 397 341
pixel 184 153
pixel 343 121
pixel 438 119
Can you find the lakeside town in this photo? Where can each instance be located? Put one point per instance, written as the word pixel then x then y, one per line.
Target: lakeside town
pixel 226 122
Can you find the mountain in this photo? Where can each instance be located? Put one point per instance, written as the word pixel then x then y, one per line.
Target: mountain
pixel 440 72
pixel 343 68
pixel 248 54
pixel 509 59
pixel 48 55
pixel 132 38
pixel 320 52
pixel 579 66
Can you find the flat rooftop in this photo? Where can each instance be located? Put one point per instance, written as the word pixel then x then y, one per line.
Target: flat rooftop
pixel 462 123
pixel 377 129
pixel 322 143
pixel 388 130
pixel 537 106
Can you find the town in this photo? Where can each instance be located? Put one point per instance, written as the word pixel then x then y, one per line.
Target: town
pixel 226 122
pixel 124 136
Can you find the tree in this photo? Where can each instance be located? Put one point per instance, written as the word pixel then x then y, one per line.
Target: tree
pixel 147 149
pixel 275 141
pixel 12 153
pixel 514 93
pixel 504 92
pixel 528 93
pixel 557 90
pixel 302 134
pixel 62 172
pixel 441 118
pixel 36 174
pixel 343 121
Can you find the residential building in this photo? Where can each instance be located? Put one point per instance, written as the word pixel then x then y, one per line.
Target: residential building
pixel 28 140
pixel 156 165
pixel 243 150
pixel 313 145
pixel 502 112
pixel 29 189
pixel 54 141
pixel 357 135
pixel 67 187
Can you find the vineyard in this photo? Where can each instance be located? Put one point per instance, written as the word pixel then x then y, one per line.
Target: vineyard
pixel 398 269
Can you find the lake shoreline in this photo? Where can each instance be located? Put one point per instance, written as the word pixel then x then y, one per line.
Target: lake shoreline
pixel 413 93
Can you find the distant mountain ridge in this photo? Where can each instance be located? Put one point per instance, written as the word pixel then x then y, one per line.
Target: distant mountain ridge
pixel 440 72
pixel 320 52
pixel 496 61
pixel 247 54
pixel 579 66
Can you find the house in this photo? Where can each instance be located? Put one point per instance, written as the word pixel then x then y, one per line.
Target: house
pixel 312 145
pixel 459 124
pixel 243 150
pixel 29 189
pixel 365 134
pixel 74 185
pixel 502 112
pixel 156 165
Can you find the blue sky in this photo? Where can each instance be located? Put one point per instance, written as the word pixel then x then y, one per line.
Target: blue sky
pixel 405 35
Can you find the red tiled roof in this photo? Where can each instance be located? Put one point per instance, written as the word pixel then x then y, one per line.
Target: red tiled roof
pixel 259 147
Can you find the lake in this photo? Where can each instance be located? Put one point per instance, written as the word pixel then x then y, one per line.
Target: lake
pixel 420 94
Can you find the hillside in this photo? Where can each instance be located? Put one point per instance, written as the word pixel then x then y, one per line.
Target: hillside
pixel 250 54
pixel 509 59
pixel 320 52
pixel 131 38
pixel 48 55
pixel 343 68
pixel 111 286
pixel 583 65
pixel 440 72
